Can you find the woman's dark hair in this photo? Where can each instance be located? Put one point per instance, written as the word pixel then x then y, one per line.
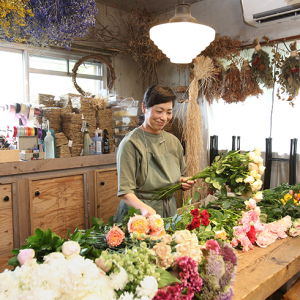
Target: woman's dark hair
pixel 157 94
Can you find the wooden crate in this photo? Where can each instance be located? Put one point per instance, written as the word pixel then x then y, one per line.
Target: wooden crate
pixel 9 156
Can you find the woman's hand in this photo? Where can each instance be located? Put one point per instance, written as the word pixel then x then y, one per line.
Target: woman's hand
pixel 186 183
pixel 147 211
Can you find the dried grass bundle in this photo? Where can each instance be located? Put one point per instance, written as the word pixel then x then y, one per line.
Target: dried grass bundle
pixel 215 88
pixel 223 47
pixel 250 86
pixel 99 102
pixel 232 88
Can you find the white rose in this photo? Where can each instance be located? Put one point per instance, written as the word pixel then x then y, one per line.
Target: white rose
pixel 257 152
pixel 255 175
pixel 256 185
pixel 69 248
pixel 258 196
pixel 251 156
pixel 253 167
pixel 249 179
pixel 258 160
pixel 261 170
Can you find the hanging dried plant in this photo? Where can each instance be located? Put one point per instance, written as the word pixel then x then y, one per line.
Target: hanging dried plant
pixel 261 67
pixel 250 86
pixel 130 33
pixel 232 88
pixel 289 78
pixel 224 47
pixel 215 88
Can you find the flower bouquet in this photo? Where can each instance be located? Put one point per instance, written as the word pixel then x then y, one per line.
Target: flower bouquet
pixel 240 172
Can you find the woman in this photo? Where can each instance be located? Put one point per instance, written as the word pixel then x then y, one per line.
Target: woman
pixel 150 158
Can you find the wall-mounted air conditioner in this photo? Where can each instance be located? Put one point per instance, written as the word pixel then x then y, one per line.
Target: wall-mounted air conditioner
pixel 267 12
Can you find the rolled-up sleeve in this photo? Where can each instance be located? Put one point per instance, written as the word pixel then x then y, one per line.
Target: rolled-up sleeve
pixel 126 167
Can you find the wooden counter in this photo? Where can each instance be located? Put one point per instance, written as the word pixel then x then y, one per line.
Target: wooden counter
pixel 59 193
pixel 262 271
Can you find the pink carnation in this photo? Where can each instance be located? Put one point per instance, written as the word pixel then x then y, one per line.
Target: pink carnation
pixel 246 227
pixel 234 242
pixel 238 230
pixel 250 204
pixel 259 227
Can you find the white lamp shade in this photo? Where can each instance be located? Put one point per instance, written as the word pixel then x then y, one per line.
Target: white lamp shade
pixel 182 41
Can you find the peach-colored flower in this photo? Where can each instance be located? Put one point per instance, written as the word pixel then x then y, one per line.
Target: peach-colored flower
pixel 253 167
pixel 115 236
pixel 182 236
pixel 138 224
pixel 251 156
pixel 261 170
pixel 158 233
pixel 156 223
pixel 182 248
pixel 258 160
pixel 166 238
pixel 221 234
pixel 70 247
pixel 287 221
pixel 257 211
pixel 258 196
pixel 25 255
pixel 162 250
pixel 250 204
pixel 255 186
pixel 166 262
pixel 257 152
pixel 249 179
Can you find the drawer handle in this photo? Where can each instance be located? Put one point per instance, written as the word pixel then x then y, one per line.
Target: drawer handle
pixel 102 183
pixel 6 198
pixel 37 193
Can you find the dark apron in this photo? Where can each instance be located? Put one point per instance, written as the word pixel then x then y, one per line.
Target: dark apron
pixel 162 172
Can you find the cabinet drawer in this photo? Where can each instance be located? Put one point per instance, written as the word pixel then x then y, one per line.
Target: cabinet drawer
pixel 106 193
pixel 57 204
pixel 7 227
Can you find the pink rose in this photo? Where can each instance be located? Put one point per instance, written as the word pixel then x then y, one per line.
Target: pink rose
pixel 234 242
pixel 25 256
pixel 281 234
pixel 238 230
pixel 259 227
pixel 246 227
pixel 287 221
pixel 69 248
pixel 250 204
pixel 265 238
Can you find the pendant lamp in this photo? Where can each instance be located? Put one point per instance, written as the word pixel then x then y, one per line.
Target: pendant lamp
pixel 182 39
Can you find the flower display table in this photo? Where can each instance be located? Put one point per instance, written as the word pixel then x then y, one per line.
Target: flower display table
pixel 262 271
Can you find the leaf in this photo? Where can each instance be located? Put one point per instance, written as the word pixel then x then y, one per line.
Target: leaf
pixel 220 171
pixel 13 261
pixel 168 226
pixel 33 239
pixel 39 232
pixel 240 179
pixel 207 179
pixel 15 251
pixel 166 278
pixel 216 185
pixel 263 218
pixel 226 205
pixel 173 226
pixel 97 221
pixel 196 195
pixel 110 221
pixel 290 201
pixel 208 228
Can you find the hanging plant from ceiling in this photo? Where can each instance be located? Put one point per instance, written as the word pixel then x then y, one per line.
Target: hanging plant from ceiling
pixel 261 68
pixel 289 77
pixel 233 87
pixel 12 17
pixel 58 22
pixel 249 85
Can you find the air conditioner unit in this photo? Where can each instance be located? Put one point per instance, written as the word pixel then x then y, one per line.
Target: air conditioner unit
pixel 267 12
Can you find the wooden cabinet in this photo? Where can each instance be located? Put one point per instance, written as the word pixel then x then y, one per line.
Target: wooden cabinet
pixel 57 203
pixel 6 228
pixel 107 200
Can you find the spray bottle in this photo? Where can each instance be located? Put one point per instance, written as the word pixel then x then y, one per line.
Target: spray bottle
pixel 88 146
pixel 97 141
pixel 105 142
pixel 49 144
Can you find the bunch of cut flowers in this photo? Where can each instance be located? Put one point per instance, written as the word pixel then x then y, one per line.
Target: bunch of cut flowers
pixel 241 172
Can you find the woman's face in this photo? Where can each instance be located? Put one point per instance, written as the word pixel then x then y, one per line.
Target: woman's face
pixel 157 116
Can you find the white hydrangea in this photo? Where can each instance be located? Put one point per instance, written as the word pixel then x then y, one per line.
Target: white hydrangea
pixel 148 287
pixel 9 286
pixel 24 274
pixel 37 294
pixel 119 280
pixel 106 289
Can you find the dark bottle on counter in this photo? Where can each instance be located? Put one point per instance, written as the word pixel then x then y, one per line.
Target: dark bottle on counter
pixel 105 142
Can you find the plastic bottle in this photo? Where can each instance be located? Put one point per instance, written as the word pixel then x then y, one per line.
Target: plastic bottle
pixel 105 142
pixel 97 141
pixel 88 146
pixel 49 144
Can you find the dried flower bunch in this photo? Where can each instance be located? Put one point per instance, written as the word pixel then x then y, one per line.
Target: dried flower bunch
pixel 12 17
pixel 289 77
pixel 250 86
pixel 130 33
pixel 233 86
pixel 261 67
pixel 223 47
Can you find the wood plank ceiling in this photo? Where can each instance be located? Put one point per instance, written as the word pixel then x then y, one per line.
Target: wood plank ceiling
pixel 155 6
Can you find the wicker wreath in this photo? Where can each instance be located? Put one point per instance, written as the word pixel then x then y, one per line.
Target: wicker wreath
pixel 112 76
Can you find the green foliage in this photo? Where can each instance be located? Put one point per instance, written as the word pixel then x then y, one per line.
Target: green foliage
pixel 166 278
